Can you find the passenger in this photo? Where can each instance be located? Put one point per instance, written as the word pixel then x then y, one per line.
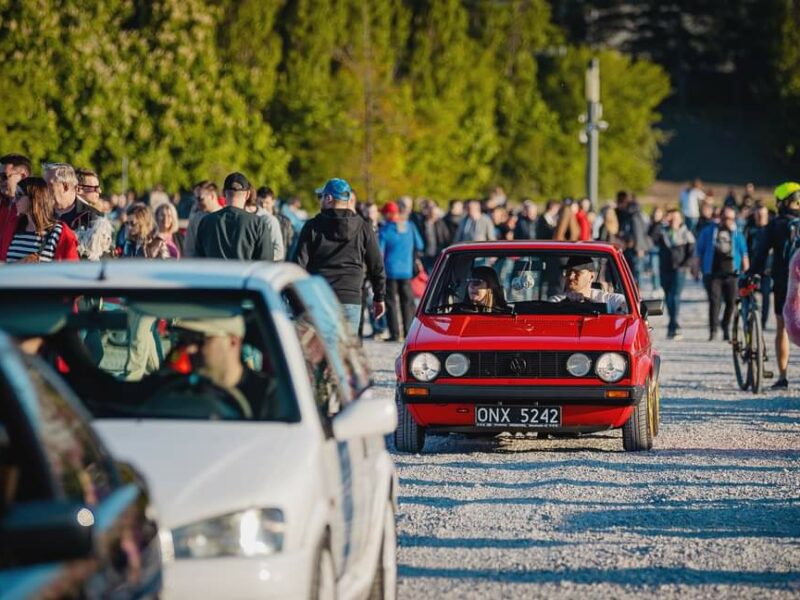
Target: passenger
pixel 484 293
pixel 580 276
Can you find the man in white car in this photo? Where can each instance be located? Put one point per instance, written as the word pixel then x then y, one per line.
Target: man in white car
pixel 580 273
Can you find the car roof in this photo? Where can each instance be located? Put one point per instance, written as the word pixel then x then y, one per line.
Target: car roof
pixel 147 274
pixel 532 245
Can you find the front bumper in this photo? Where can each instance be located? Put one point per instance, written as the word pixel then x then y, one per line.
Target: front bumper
pixel 279 576
pixel 596 395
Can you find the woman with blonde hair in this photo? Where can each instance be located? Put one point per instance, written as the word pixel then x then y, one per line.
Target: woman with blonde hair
pixel 143 239
pixel 167 222
pixel 39 236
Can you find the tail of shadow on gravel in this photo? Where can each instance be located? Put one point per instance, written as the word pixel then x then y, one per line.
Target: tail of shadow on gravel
pixel 635 576
pixel 425 541
pixel 406 482
pixel 637 466
pixel 762 518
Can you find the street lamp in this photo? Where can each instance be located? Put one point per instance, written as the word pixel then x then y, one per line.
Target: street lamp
pixel 590 135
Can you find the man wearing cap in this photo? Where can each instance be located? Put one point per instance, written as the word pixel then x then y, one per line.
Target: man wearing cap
pixel 580 272
pixel 777 238
pixel 233 233
pixel 338 245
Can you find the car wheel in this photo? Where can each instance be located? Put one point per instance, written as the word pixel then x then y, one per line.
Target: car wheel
pixel 408 437
pixel 655 409
pixel 323 585
pixel 384 584
pixel 637 431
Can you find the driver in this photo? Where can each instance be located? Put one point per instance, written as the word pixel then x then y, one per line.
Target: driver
pixel 484 293
pixel 580 273
pixel 213 348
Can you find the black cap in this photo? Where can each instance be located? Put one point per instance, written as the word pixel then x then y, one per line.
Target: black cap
pixel 580 263
pixel 236 182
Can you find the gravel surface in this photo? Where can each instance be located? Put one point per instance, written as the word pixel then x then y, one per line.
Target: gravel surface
pixel 712 511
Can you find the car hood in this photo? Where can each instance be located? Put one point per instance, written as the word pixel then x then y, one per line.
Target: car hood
pixel 198 470
pixel 492 332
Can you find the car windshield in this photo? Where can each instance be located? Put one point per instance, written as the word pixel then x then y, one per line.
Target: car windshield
pixel 159 354
pixel 532 282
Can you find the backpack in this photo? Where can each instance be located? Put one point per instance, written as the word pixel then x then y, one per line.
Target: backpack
pixel 792 240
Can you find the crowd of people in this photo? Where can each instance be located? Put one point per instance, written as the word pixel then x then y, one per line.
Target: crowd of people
pixel 379 257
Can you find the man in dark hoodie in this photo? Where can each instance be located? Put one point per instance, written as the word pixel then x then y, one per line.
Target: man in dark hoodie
pixel 337 244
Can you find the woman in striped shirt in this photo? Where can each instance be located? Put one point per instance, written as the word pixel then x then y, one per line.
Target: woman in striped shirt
pixel 39 236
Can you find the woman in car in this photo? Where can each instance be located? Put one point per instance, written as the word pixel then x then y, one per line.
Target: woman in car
pixel 484 293
pixel 39 236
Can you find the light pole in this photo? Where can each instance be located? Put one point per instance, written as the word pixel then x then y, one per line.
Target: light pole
pixel 591 133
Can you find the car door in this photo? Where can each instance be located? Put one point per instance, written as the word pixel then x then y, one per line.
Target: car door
pixel 340 459
pixel 44 422
pixel 350 363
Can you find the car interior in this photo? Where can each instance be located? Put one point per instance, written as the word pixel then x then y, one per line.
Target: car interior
pixel 159 355
pixel 529 282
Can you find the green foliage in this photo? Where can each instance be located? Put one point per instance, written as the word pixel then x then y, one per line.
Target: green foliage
pixel 441 98
pixel 787 69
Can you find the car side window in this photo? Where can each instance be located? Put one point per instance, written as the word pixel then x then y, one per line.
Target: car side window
pixel 322 376
pixel 347 355
pixel 78 464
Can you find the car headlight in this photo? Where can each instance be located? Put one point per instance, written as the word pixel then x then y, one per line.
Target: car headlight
pixel 457 364
pixel 425 366
pixel 254 532
pixel 579 364
pixel 611 367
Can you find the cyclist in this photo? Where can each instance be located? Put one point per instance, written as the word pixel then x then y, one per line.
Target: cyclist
pixel 779 236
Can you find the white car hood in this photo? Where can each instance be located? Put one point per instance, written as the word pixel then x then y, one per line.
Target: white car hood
pixel 197 470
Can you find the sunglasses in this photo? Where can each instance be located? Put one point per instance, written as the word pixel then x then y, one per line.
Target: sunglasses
pixel 477 282
pixel 90 188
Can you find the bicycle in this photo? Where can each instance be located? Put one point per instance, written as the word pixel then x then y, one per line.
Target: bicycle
pixel 747 339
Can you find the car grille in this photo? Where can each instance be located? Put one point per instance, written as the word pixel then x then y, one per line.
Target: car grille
pixel 535 364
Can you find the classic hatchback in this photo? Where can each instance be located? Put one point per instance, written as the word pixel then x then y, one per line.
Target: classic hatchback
pixel 237 391
pixel 530 336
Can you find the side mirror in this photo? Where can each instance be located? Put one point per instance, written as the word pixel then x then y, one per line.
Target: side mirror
pixel 367 416
pixel 47 531
pixel 651 308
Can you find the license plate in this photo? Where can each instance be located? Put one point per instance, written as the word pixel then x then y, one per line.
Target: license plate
pixel 517 416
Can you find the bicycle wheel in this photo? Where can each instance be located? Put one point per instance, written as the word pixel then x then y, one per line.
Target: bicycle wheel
pixel 739 346
pixel 755 352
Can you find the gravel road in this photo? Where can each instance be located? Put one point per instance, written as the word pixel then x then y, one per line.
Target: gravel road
pixel 712 511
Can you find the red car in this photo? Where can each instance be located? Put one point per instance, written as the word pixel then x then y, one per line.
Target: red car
pixel 531 336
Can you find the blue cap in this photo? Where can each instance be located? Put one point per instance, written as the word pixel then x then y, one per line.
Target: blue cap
pixel 338 188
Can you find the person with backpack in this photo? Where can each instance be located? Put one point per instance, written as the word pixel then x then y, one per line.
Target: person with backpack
pixel 781 237
pixel 722 251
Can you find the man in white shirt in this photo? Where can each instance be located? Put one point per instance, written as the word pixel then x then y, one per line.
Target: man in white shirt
pixel 691 198
pixel 580 275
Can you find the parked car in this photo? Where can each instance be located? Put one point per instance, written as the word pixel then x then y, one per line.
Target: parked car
pixel 533 336
pixel 73 522
pixel 237 390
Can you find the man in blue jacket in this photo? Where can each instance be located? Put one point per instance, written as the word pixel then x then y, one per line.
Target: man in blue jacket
pixel 722 251
pixel 399 241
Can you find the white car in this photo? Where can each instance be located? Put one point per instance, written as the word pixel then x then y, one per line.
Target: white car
pixel 237 391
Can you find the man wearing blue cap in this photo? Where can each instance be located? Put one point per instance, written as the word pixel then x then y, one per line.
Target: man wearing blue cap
pixel 338 245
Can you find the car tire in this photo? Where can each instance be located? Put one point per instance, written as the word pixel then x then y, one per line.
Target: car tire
pixel 384 584
pixel 637 431
pixel 323 584
pixel 408 437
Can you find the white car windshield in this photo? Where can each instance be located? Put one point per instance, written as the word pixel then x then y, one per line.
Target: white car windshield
pixel 198 355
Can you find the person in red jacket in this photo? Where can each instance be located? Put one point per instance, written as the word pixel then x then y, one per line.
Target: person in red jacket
pixel 13 169
pixel 39 236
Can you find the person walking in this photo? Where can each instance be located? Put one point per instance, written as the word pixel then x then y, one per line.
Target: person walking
pixel 167 222
pixel 39 236
pixel 526 224
pixel 233 233
pixel 143 240
pixel 722 252
pixel 476 226
pixel 453 218
pixel 780 238
pixel 435 234
pixel 69 208
pixel 753 232
pixel 265 201
pixel 399 241
pixel 691 198
pixel 675 245
pixel 206 202
pixel 339 245
pixel 633 231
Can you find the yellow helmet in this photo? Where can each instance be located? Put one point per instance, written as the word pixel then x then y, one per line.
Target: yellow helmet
pixel 785 190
